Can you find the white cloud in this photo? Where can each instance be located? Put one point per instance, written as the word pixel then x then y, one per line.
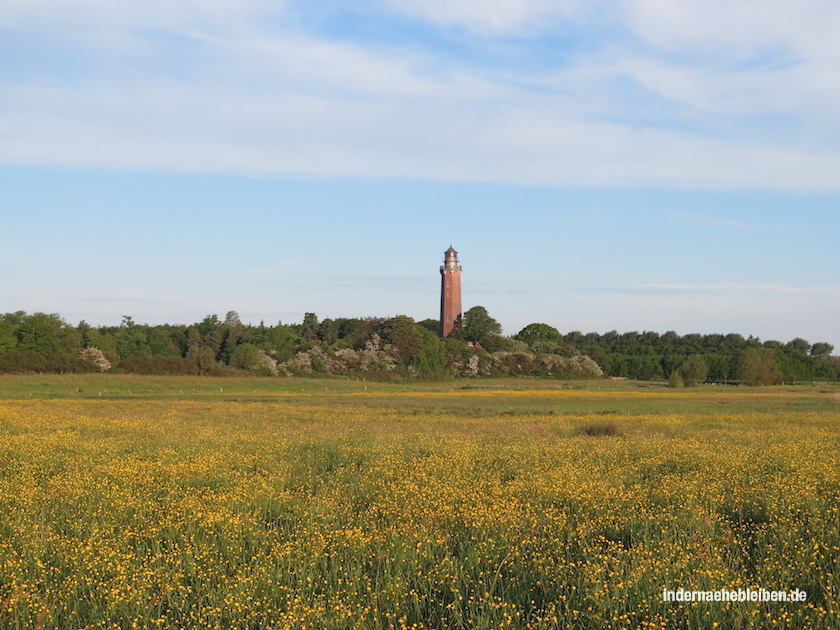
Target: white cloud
pixel 806 87
pixel 832 292
pixel 596 216
pixel 178 14
pixel 491 17
pixel 245 99
pixel 739 28
pixel 738 56
pixel 291 61
pixel 240 275
pixel 701 218
pixel 436 135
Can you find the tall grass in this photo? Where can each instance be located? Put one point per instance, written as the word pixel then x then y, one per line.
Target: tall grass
pixel 373 511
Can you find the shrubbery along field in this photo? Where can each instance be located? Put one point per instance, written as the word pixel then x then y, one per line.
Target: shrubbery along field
pixel 399 347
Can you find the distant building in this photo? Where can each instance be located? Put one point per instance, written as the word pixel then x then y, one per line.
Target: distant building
pixel 450 292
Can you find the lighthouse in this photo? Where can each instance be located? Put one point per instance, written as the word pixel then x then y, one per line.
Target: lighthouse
pixel 450 292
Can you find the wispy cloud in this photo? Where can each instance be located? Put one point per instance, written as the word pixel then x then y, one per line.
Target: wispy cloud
pixel 390 284
pixel 95 15
pixel 735 28
pixel 242 274
pixel 216 87
pixel 705 292
pixel 741 288
pixel 498 17
pixel 728 223
pixel 598 216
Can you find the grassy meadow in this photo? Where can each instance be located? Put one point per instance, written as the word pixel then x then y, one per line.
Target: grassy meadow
pixel 143 502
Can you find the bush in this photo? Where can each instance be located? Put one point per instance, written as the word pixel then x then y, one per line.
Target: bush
pixel 693 371
pixel 96 358
pixel 675 379
pixel 245 356
pixel 599 429
pixel 759 366
pixel 546 365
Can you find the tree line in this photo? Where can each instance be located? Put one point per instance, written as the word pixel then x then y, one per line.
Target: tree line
pixel 400 347
pixel 693 358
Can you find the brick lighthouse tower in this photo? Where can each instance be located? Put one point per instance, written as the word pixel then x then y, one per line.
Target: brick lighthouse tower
pixel 450 292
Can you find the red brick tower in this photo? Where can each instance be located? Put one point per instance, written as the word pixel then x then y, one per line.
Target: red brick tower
pixel 450 292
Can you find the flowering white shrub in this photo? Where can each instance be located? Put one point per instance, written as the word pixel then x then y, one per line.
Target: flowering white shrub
pixel 96 357
pixel 374 357
pixel 472 366
pixel 552 365
pixel 265 365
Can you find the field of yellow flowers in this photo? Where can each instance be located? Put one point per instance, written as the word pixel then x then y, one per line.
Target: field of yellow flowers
pixel 322 505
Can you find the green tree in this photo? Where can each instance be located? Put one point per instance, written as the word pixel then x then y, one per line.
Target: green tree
pixel 212 333
pixel 49 337
pixel 539 332
pixel 245 356
pixel 692 343
pixel 649 339
pixel 694 370
pixel 165 341
pixel 734 342
pixel 232 331
pixel 759 366
pixel 404 335
pixel 8 338
pixel 108 345
pixel 667 342
pixel 712 342
pixel 132 339
pixel 618 365
pixel 309 328
pixel 92 338
pixel 477 326
pixel 328 331
pixel 432 359
pixel 798 345
pixel 575 338
pixel 280 342
pixel 45 343
pixel 40 334
pixel 232 320
pixel 609 340
pixel 822 350
pixel 597 354
pixel 628 343
pixel 202 358
pixel 432 325
pixel 646 367
pixel 720 366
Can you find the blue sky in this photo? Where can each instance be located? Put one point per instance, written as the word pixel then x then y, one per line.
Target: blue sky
pixel 621 164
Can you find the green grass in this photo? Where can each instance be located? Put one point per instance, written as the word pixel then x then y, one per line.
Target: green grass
pixel 130 386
